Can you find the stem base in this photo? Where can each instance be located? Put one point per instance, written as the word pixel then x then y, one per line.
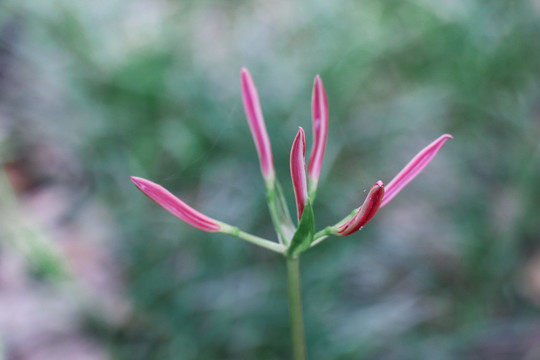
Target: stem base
pixel 295 309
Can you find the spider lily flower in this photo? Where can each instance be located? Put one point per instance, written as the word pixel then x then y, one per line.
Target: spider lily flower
pixel 175 206
pixel 255 119
pixel 289 236
pixel 298 171
pixel 365 212
pixel 413 168
pixel 178 208
pixel 380 195
pixel 276 203
pixel 319 113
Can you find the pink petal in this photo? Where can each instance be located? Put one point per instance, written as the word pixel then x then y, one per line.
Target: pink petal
pixel 175 206
pixel 255 118
pixel 298 171
pixel 319 111
pixel 413 168
pixel 366 212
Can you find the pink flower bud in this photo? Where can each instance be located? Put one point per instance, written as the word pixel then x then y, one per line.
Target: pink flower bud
pixel 298 171
pixel 413 168
pixel 366 212
pixel 175 206
pixel 255 119
pixel 319 111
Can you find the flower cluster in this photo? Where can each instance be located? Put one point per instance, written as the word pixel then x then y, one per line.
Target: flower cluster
pixel 294 239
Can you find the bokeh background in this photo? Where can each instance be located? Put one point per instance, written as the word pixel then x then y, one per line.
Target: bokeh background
pixel 92 92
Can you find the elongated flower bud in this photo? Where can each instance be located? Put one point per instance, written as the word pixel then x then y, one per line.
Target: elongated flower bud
pixel 366 212
pixel 319 112
pixel 413 168
pixel 175 206
pixel 255 119
pixel 298 171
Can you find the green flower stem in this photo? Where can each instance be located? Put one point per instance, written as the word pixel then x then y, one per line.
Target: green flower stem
pixel 322 235
pixel 295 309
pixel 279 212
pixel 319 240
pixel 270 245
pixel 274 214
pixel 236 232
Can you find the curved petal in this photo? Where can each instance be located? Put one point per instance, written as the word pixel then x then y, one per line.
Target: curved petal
pixel 255 119
pixel 175 206
pixel 366 212
pixel 319 112
pixel 298 171
pixel 413 168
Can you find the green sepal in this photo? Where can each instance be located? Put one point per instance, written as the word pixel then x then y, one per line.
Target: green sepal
pixel 303 237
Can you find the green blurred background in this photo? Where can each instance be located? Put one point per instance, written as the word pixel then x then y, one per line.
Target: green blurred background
pixel 92 92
